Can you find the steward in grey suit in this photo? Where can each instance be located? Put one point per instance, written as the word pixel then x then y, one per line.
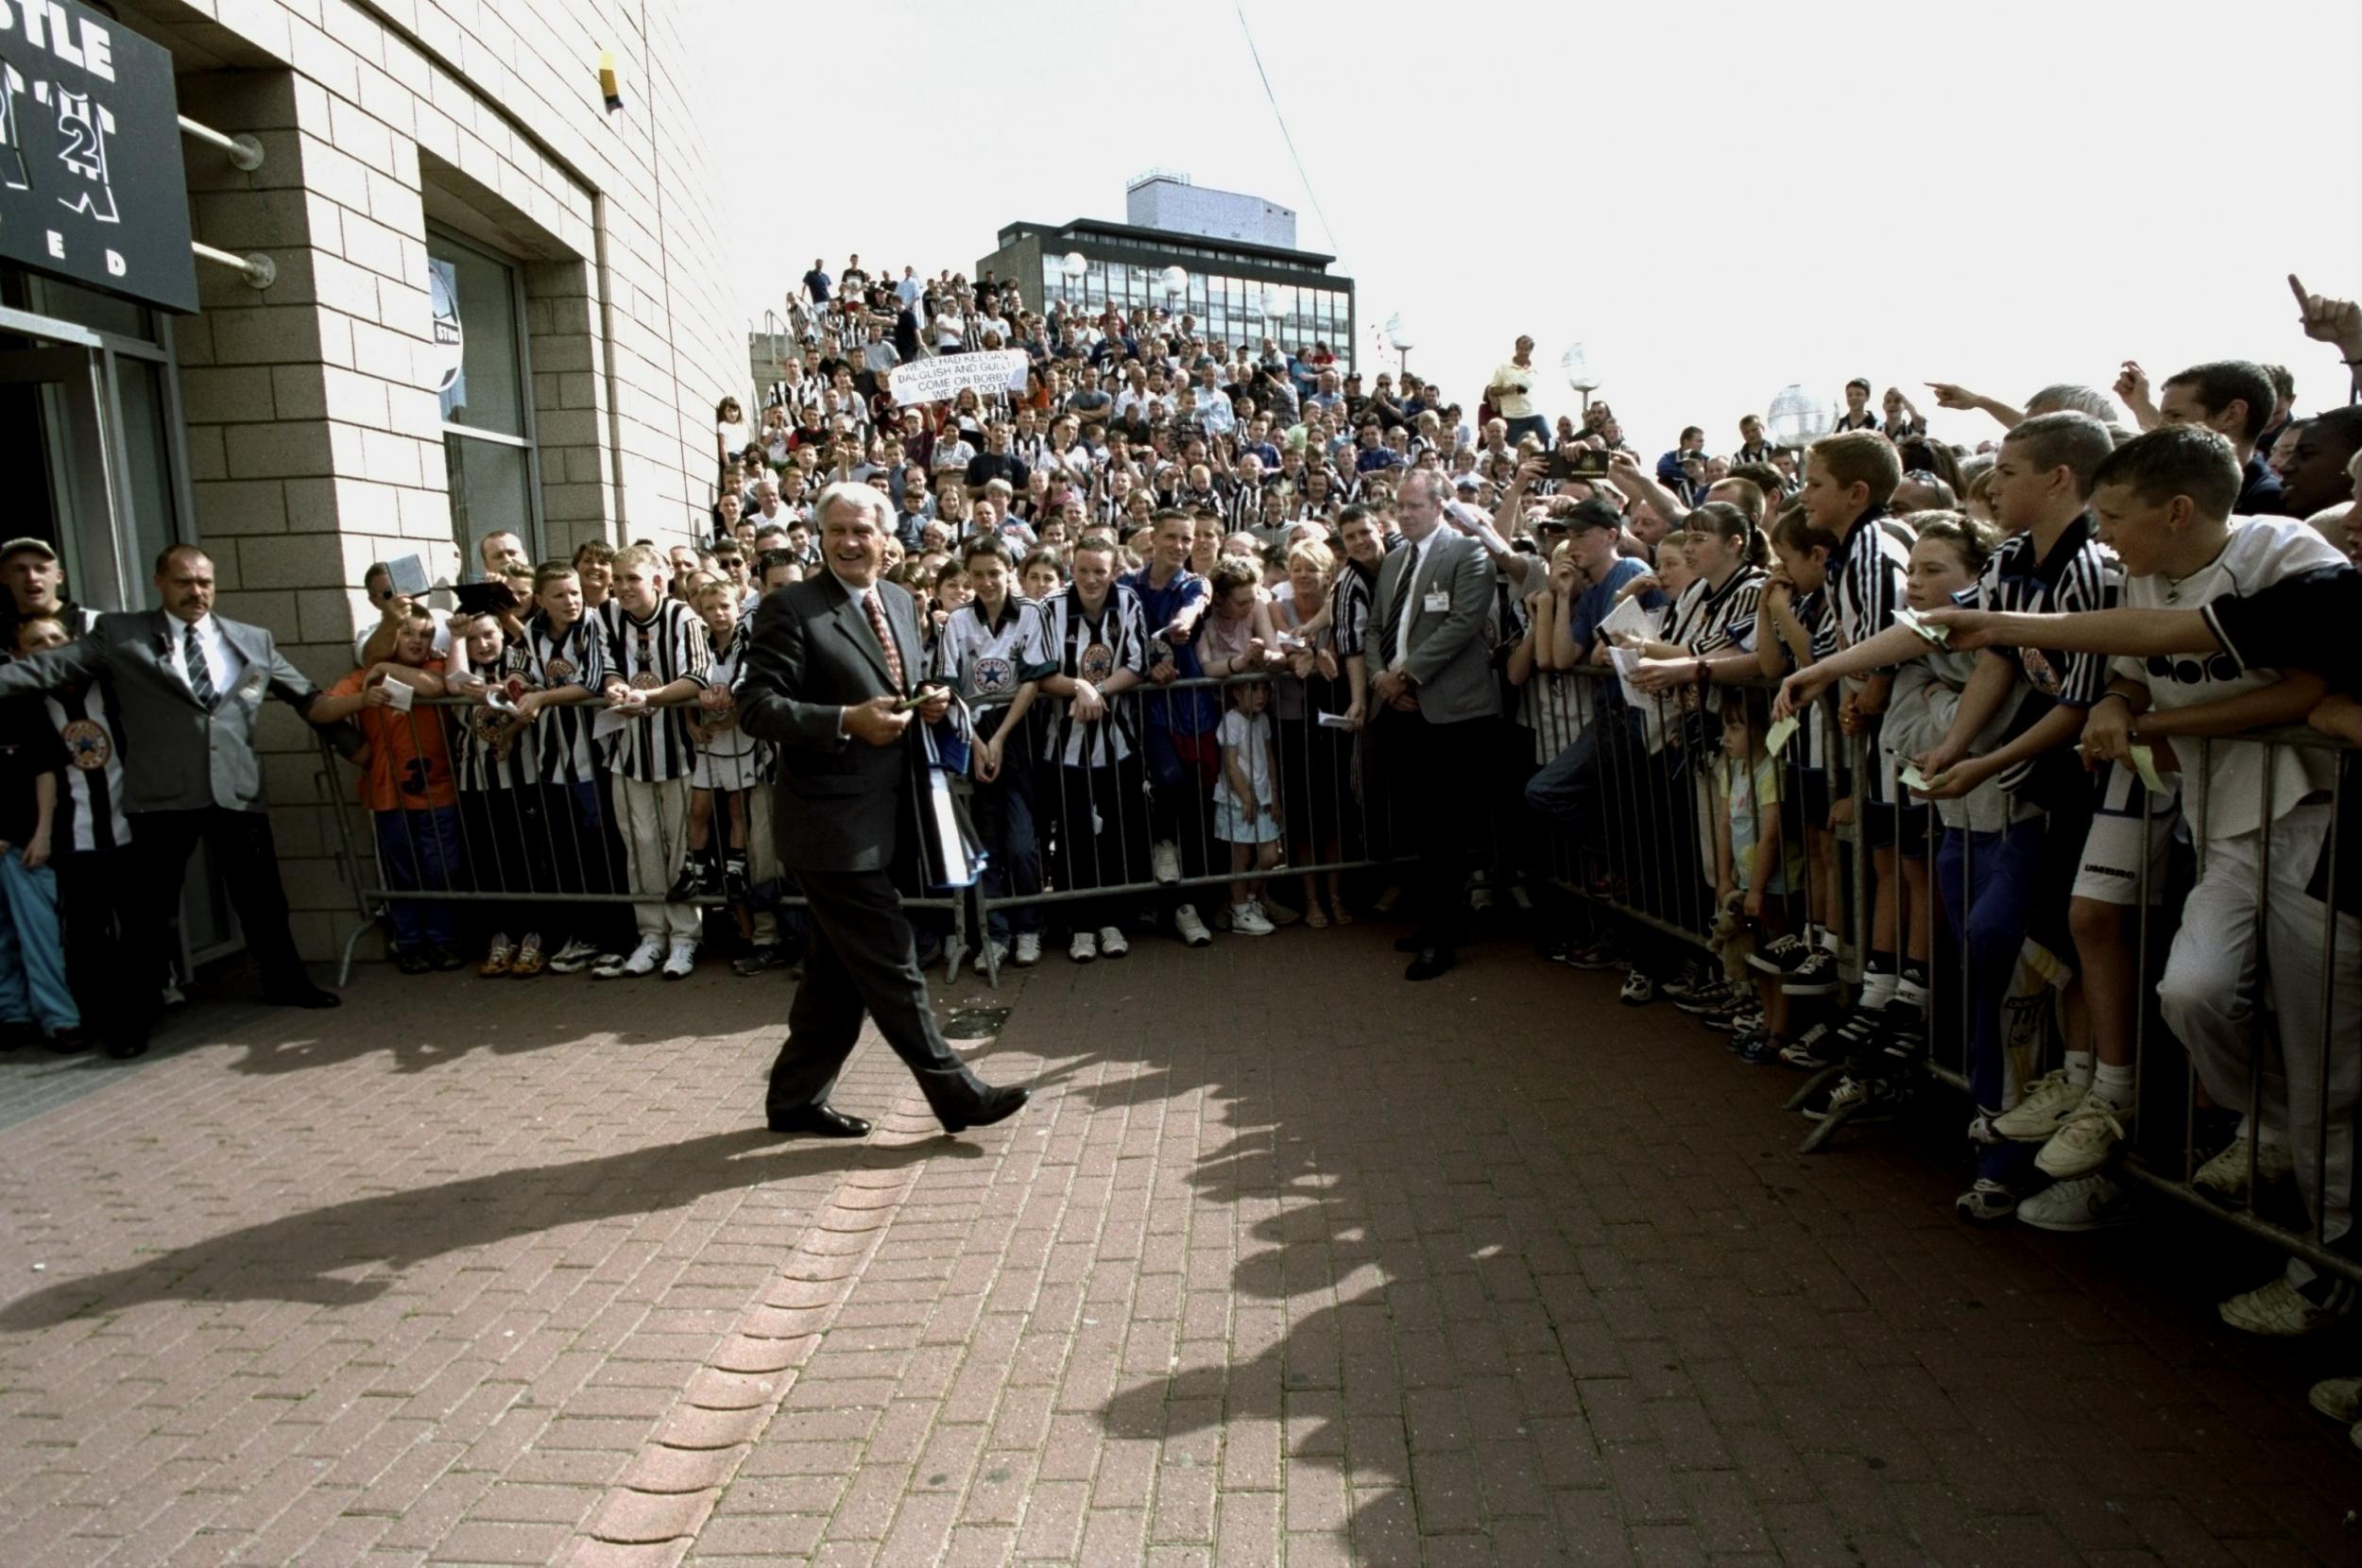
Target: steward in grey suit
pixel 1440 704
pixel 188 686
pixel 823 683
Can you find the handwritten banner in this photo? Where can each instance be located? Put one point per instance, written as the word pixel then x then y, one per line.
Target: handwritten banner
pixel 945 376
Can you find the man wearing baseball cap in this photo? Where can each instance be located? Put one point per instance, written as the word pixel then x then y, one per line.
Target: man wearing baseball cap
pixel 36 583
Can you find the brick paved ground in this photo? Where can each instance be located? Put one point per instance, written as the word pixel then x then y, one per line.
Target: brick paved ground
pixel 1328 1269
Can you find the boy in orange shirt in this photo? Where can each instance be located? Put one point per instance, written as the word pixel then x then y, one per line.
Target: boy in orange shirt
pixel 406 784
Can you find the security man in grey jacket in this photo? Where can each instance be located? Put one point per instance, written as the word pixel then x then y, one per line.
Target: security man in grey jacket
pixel 188 687
pixel 1441 702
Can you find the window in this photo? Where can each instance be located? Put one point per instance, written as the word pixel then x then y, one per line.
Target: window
pixel 488 416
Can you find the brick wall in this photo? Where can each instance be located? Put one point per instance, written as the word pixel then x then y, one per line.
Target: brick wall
pixel 313 432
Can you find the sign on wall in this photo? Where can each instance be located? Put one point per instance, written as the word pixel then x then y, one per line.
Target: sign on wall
pixel 939 380
pixel 92 187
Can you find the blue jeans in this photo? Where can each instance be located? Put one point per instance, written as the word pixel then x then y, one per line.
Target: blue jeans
pixel 419 851
pixel 1530 424
pixel 32 949
pixel 1003 811
pixel 1986 901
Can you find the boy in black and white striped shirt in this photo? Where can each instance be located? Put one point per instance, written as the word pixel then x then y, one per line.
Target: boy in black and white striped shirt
pixel 657 656
pixel 566 647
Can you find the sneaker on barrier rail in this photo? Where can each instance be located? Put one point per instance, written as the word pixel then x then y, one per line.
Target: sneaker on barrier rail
pixel 2093 1202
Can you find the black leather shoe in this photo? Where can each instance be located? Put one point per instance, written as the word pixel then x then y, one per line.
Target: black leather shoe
pixel 996 1105
pixel 310 996
pixel 820 1122
pixel 1430 963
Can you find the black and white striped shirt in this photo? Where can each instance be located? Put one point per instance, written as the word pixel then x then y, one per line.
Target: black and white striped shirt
pixel 2079 574
pixel 1349 611
pixel 494 752
pixel 1092 647
pixel 1706 620
pixel 669 645
pixel 90 804
pixel 1866 579
pixel 576 656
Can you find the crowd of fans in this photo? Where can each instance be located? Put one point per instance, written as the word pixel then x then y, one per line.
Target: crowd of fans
pixel 2009 673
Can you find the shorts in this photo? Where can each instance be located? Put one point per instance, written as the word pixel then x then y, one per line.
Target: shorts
pixel 1901 828
pixel 2113 857
pixel 1812 796
pixel 1231 826
pixel 726 771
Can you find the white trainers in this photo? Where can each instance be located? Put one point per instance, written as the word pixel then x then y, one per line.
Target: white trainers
pixel 574 956
pixel 2280 1311
pixel 1028 949
pixel 1164 860
pixel 2339 1398
pixel 1985 1202
pixel 2091 1203
pixel 991 956
pixel 642 961
pixel 1084 948
pixel 2048 1102
pixel 1191 930
pixel 2223 1179
pixel 680 960
pixel 1111 942
pixel 1247 920
pixel 2084 1140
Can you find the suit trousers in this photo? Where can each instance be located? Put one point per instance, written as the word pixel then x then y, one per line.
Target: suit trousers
pixel 96 888
pixel 247 858
pixel 1439 809
pixel 862 958
pixel 655 819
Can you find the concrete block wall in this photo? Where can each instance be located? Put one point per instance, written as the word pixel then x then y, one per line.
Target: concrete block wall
pixel 313 433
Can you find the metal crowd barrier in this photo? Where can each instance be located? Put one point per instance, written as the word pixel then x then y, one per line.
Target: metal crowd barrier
pixel 544 857
pixel 1636 867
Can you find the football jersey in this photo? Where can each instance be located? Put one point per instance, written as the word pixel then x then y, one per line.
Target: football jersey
pixel 2226 797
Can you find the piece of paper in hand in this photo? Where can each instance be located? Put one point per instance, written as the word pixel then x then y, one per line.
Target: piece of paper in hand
pixel 407 575
pixel 1911 618
pixel 398 696
pixel 1775 740
pixel 2145 763
pixel 1335 721
pixel 1913 779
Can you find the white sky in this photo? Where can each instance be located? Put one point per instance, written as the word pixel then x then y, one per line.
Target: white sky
pixel 2001 194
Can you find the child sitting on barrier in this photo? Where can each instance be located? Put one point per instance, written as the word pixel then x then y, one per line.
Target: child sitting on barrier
pixel 406 784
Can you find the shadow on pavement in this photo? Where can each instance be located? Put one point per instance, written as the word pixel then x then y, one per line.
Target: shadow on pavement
pixel 301 1257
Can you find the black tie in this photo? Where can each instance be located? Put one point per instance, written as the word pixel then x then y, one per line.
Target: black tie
pixel 200 676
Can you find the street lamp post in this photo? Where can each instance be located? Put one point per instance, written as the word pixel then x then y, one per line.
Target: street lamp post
pixel 1073 266
pixel 1795 419
pixel 1576 361
pixel 1399 338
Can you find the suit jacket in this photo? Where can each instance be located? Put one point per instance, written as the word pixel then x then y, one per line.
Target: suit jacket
pixel 1448 655
pixel 840 802
pixel 177 756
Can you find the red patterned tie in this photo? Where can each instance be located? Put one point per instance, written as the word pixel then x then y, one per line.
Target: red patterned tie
pixel 885 637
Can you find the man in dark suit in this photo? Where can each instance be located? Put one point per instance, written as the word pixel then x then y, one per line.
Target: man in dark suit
pixel 188 685
pixel 831 660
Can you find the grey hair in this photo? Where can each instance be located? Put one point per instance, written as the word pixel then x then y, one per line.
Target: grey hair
pixel 844 493
pixel 2066 396
pixel 1438 486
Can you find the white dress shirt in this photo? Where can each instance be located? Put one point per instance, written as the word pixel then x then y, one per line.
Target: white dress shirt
pixel 1409 600
pixel 223 664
